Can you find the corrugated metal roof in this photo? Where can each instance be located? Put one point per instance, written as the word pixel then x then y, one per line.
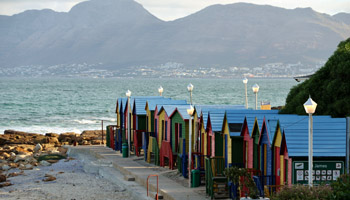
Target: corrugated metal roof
pixel 216 119
pixel 140 103
pixel 329 136
pixel 152 103
pixel 169 109
pixel 182 109
pixel 238 116
pixel 199 108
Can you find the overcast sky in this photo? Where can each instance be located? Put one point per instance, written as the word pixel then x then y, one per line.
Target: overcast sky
pixel 173 9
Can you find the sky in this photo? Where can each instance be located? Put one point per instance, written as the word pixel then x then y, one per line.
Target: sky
pixel 173 9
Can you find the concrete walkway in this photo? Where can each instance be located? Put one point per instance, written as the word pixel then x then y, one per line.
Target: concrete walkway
pixel 168 188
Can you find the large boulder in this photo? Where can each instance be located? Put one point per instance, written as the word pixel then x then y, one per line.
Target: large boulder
pixel 68 137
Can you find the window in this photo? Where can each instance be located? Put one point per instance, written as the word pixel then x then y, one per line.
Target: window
pixel 166 130
pixel 180 130
pixel 163 129
pixel 147 124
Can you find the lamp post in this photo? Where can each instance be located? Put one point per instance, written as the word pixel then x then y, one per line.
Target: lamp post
pixel 256 90
pixel 310 107
pixel 245 81
pixel 160 90
pixel 128 94
pixel 190 88
pixel 190 113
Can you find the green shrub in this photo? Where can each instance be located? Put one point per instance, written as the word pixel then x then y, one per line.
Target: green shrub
pixel 329 87
pixel 302 192
pixel 341 187
pixel 234 174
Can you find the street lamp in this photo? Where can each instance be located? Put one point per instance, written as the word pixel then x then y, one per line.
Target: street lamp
pixel 245 81
pixel 128 94
pixel 310 107
pixel 160 90
pixel 256 90
pixel 190 113
pixel 190 88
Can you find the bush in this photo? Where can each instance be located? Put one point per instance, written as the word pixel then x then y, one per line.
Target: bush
pixel 234 174
pixel 341 187
pixel 302 192
pixel 329 87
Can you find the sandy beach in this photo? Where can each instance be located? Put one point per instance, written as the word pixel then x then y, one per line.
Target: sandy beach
pixel 75 179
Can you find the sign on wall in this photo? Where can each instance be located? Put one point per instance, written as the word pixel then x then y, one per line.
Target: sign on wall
pixel 323 171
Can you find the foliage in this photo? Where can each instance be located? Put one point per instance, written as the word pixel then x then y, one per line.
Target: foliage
pixel 302 192
pixel 51 157
pixel 341 187
pixel 329 87
pixel 234 173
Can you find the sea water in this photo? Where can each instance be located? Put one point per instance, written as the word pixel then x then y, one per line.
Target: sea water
pixel 42 105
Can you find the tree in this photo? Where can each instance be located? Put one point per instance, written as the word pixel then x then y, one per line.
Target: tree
pixel 329 87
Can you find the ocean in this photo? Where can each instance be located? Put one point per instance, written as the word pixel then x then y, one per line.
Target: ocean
pixel 58 105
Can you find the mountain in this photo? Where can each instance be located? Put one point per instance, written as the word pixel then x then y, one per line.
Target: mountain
pixel 344 17
pixel 121 33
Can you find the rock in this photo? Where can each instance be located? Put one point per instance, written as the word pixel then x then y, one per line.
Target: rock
pixel 13 165
pixel 52 135
pixel 2 160
pixel 48 147
pixel 49 178
pixel 6 155
pixel 2 178
pixel 52 161
pixel 22 150
pixel 68 137
pixel 12 156
pixel 5 184
pixel 44 163
pixel 85 142
pixel 53 140
pixel 38 148
pixel 62 151
pixel 21 158
pixel 13 174
pixel 28 167
pixel 6 167
pixel 96 142
pixel 69 159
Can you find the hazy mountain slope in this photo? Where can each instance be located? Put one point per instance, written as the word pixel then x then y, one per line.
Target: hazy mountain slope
pixel 344 17
pixel 121 33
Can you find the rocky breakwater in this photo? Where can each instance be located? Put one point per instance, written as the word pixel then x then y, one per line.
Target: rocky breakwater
pixel 24 151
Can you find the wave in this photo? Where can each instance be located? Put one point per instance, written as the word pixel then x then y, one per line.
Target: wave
pixel 45 129
pixel 86 121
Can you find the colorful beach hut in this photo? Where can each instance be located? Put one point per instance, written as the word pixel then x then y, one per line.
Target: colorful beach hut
pixel 139 120
pixel 152 124
pixel 329 148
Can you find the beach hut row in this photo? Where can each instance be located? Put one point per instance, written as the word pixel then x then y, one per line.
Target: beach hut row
pixel 274 147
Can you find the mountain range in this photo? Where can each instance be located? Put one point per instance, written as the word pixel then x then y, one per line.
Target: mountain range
pixel 121 33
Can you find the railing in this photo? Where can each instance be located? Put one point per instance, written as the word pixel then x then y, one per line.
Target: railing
pixel 157 184
pixel 214 168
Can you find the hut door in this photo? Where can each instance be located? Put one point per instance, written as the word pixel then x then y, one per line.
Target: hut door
pixel 237 151
pixel 226 156
pixel 176 137
pixel 277 166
